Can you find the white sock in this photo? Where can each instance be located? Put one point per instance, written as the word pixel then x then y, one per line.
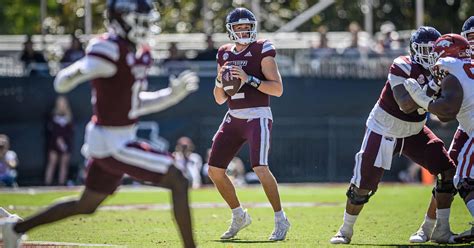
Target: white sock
pixel 238 211
pixel 280 215
pixel 349 221
pixel 470 207
pixel 428 223
pixel 442 215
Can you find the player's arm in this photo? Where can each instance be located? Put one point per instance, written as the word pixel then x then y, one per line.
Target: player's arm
pixel 98 63
pixel 156 101
pixel 403 99
pixel 219 94
pixel 271 86
pixel 448 104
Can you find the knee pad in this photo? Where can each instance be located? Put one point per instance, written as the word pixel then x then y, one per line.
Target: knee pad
pixel 356 198
pixel 445 186
pixel 465 186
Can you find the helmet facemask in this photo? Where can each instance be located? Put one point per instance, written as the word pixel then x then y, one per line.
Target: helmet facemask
pixel 469 35
pixel 141 26
pixel 238 36
pixel 421 53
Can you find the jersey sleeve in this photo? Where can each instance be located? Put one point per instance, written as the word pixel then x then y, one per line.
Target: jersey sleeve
pixel 399 71
pixel 104 49
pixel 268 49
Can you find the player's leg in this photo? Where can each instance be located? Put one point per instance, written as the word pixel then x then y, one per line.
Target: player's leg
pixel 99 184
pixel 364 182
pixel 424 232
pixel 142 162
pixel 426 228
pixel 50 167
pixel 175 180
pixel 464 181
pixel 258 135
pixel 91 198
pixel 428 150
pixel 226 143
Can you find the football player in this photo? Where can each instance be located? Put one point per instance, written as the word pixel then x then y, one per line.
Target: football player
pixel 424 232
pixel 116 64
pixel 396 125
pixel 453 68
pixel 249 118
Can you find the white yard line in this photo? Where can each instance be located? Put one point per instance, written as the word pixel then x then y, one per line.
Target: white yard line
pixel 198 205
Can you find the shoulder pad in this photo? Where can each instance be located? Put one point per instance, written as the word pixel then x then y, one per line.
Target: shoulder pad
pixel 103 48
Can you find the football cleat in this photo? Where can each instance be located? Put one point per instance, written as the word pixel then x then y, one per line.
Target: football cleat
pixel 11 239
pixel 341 238
pixel 238 223
pixel 442 234
pixel 423 235
pixel 281 228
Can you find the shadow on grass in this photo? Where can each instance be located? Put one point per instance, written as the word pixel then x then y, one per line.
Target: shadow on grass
pixel 415 245
pixel 241 241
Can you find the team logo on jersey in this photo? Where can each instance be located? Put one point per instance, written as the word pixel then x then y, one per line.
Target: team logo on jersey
pixel 248 54
pixel 130 59
pixel 444 43
pixel 225 56
pixel 421 79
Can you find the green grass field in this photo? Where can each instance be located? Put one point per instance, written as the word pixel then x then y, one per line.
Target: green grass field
pixel 388 220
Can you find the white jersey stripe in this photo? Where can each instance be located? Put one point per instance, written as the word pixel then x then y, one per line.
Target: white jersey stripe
pixel 143 159
pixel 269 48
pixel 402 65
pixel 262 141
pixel 462 157
pixel 266 141
pixel 105 48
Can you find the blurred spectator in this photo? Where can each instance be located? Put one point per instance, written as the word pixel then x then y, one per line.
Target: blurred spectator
pixel 353 49
pixel 320 50
pixel 388 39
pixel 33 61
pixel 8 163
pixel 74 52
pixel 236 172
pixel 192 162
pixel 175 63
pixel 60 132
pixel 210 52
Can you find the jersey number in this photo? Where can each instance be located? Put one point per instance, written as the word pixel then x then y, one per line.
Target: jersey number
pixel 468 68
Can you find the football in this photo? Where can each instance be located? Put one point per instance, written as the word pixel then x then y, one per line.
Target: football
pixel 230 84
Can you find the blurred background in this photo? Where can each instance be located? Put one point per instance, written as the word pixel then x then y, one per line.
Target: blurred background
pixel 333 55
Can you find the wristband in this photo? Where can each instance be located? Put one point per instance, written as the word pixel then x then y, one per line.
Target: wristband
pixel 219 84
pixel 254 82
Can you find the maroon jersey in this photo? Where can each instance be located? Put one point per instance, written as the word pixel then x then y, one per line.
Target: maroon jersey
pixel 114 97
pixel 250 59
pixel 401 69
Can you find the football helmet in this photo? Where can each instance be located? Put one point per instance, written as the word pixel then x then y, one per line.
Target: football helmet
pixel 448 45
pixel 421 44
pixel 241 16
pixel 467 29
pixel 133 20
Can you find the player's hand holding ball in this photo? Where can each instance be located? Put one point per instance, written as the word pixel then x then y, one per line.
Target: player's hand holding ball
pixel 231 82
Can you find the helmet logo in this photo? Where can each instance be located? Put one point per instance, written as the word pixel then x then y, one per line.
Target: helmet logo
pixel 225 56
pixel 444 43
